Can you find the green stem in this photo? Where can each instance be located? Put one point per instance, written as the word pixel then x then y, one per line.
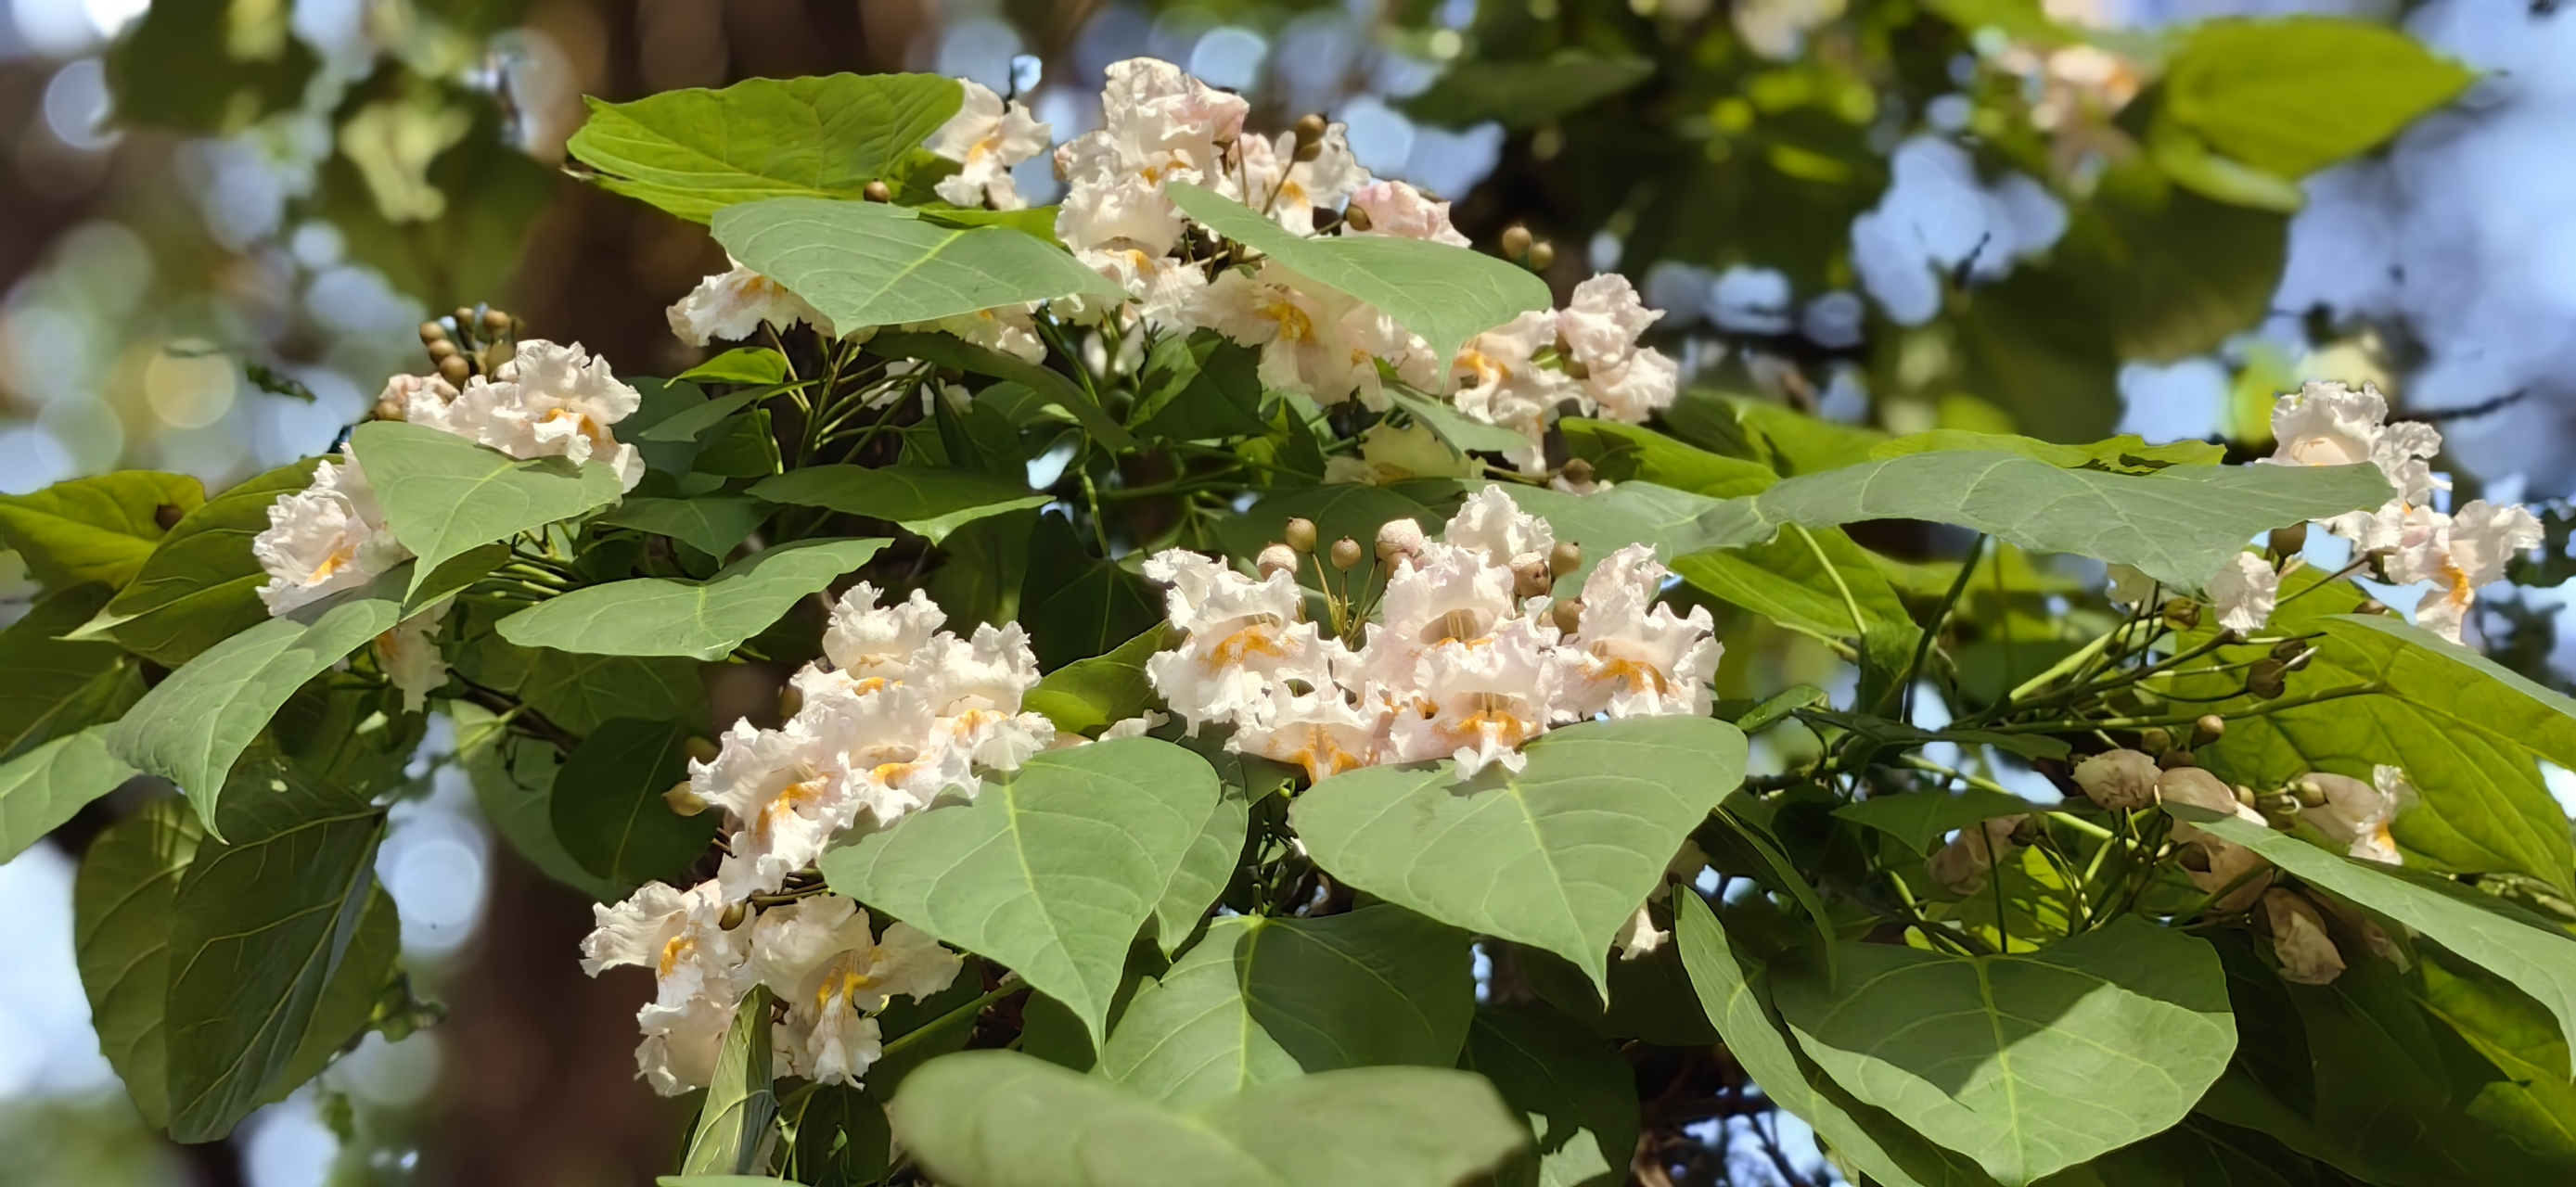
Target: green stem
pixel 1010 984
pixel 2137 723
pixel 1932 631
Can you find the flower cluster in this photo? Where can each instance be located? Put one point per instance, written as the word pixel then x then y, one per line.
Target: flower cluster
pixel 1469 660
pixel 1161 127
pixel 897 714
pixel 2327 424
pixel 546 400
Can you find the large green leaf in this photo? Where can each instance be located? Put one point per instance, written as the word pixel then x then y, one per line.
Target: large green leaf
pixel 1214 856
pixel 57 686
pixel 608 811
pixel 1003 1119
pixel 190 68
pixel 40 789
pixel 2272 93
pixel 1556 857
pixel 1579 1093
pixel 1816 582
pixel 258 929
pixel 1873 1141
pixel 121 940
pixel 1049 383
pixel 1635 453
pixel 1445 294
pixel 2531 1097
pixel 94 529
pixel 1198 386
pixel 1521 93
pixel 444 495
pixel 879 264
pixel 2126 454
pixel 694 152
pixel 925 500
pixel 1087 695
pixel 348 1005
pixel 712 524
pixel 702 620
pixel 578 692
pixel 2465 729
pixel 1076 605
pixel 733 1120
pixel 842 1138
pixel 514 779
pixel 191 727
pixel 1052 872
pixel 2470 925
pixel 201 585
pixel 2038 1062
pixel 1261 999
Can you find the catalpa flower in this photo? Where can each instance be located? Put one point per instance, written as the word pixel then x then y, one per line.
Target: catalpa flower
pixel 833 975
pixel 1399 211
pixel 2460 555
pixel 551 400
pixel 1292 195
pixel 2358 815
pixel 1238 634
pixel 2227 863
pixel 698 971
pixel 734 305
pixel 329 537
pixel 2307 954
pixel 409 655
pixel 1631 657
pixel 2120 780
pixel 986 138
pixel 2244 593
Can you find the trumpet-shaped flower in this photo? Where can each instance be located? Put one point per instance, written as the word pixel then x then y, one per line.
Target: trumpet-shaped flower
pixel 328 537
pixel 2358 815
pixel 1291 191
pixel 986 137
pixel 1238 636
pixel 733 305
pixel 2460 555
pixel 1479 703
pixel 1319 729
pixel 1631 657
pixel 2299 938
pixel 698 970
pixel 409 656
pixel 1500 381
pixel 1400 211
pixel 2244 592
pixel 819 957
pixel 551 400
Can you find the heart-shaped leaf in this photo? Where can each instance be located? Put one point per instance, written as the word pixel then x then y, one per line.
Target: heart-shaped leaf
pixel 693 152
pixel 880 264
pixel 95 529
pixel 1578 1091
pixel 712 524
pixel 607 808
pixel 699 619
pixel 925 500
pixel 40 789
pixel 444 495
pixel 1557 857
pixel 201 585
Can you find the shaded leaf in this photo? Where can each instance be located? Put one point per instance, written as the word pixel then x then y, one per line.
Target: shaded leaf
pixel 607 808
pixel 712 524
pixel 702 620
pixel 201 584
pixel 733 1121
pixel 1198 386
pixel 94 529
pixel 1077 605
pixel 1921 817
pixel 43 787
pixel 1518 94
pixel 578 692
pixel 121 938
pixel 1088 695
pixel 444 495
pixel 928 501
pixel 1050 384
pixel 1579 1093
pixel 57 687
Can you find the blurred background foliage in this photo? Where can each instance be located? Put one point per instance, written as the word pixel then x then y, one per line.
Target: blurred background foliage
pixel 2062 218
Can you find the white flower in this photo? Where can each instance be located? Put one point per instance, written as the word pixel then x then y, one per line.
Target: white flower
pixel 409 656
pixel 1320 730
pixel 1238 636
pixel 1601 324
pixel 2244 593
pixel 1444 594
pixel 697 966
pixel 1301 328
pixel 975 690
pixel 1400 211
pixel 1291 196
pixel 789 792
pixel 734 305
pixel 1641 938
pixel 1134 727
pixel 1118 213
pixel 2357 815
pixel 1010 330
pixel 1962 864
pixel 326 538
pixel 1164 289
pixel 1159 126
pixel 1635 389
pixel 818 956
pixel 2118 779
pixel 1495 528
pixel 2299 939
pixel 1479 704
pixel 1631 657
pixel 551 400
pixel 865 640
pixel 986 138
pixel 424 399
pixel 2327 424
pixel 2461 555
pixel 1500 382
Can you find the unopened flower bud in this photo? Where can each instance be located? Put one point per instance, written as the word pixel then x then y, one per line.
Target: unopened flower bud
pixel 1540 256
pixel 2308 793
pixel 2244 795
pixel 1567 557
pixel 2290 541
pixel 1310 137
pixel 1301 535
pixel 2118 779
pixel 1346 552
pixel 454 371
pixel 431 331
pixel 684 802
pixel 1355 217
pixel 1568 614
pixel 495 323
pixel 2182 613
pixel 700 749
pixel 733 916
pixel 1577 472
pixel 1400 537
pixel 2194 858
pixel 2288 649
pixel 2175 759
pixel 442 350
pixel 389 410
pixel 2155 739
pixel 876 191
pixel 791 701
pixel 464 318
pixel 168 515
pixel 1277 559
pixel 2267 679
pixel 1516 241
pixel 1530 579
pixel 2210 728
pixel 2371 606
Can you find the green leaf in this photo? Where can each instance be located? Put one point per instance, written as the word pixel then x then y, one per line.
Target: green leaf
pixel 1198 386
pixel 1037 222
pixel 1446 294
pixel 94 529
pixel 347 1008
pixel 1051 873
pixel 1088 695
pixel 1049 383
pixel 1786 442
pixel 444 495
pixel 43 787
pixel 702 620
pixel 1675 523
pixel 201 585
pixel 2273 93
pixel 712 524
pixel 2127 454
pixel 1811 582
pixel 2465 729
pixel 2047 1059
pixel 57 687
pixel 879 264
pixel 720 1181
pixel 1214 856
pixel 579 692
pixel 1919 818
pixel 925 500
pixel 1261 999
pixel 121 939
pixel 1077 605
pixel 1579 1093
pixel 694 152
pixel 1635 453
pixel 733 1122
pixel 1463 433
pixel 691 423
pixel 1519 94
pixel 842 1138
pixel 608 811
pixel 2469 925
pixel 2530 1098
pixel 1650 999
pixel 1003 1119
pixel 1556 857
pixel 191 727
pixel 190 68
pixel 514 780
pixel 743 364
pixel 1874 1142
pixel 258 929
pixel 660 401
pixel 742 447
